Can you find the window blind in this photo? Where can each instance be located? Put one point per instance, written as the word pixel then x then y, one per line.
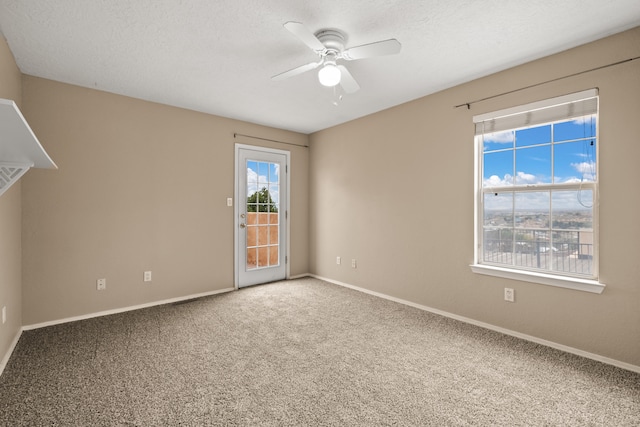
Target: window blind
pixel 536 113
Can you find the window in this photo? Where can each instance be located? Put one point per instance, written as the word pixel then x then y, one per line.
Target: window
pixel 537 192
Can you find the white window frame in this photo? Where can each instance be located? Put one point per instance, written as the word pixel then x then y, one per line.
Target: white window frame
pixel 538 110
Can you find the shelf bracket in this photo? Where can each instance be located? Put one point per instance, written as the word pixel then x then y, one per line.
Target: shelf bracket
pixel 10 173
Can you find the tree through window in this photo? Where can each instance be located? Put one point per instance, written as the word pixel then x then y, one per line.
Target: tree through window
pixel 261 201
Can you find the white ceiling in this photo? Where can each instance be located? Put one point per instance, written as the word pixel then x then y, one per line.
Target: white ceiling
pixel 217 56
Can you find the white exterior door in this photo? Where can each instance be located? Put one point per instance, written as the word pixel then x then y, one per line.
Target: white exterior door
pixel 261 215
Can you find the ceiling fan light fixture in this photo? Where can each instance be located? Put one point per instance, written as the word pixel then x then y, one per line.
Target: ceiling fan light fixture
pixel 329 75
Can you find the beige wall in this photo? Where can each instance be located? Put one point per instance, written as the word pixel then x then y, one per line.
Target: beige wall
pixel 410 169
pixel 140 186
pixel 10 219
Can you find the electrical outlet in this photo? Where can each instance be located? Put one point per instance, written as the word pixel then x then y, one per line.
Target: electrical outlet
pixel 353 263
pixel 147 276
pixel 509 294
pixel 4 315
pixel 101 284
pixel 338 260
pixel 229 201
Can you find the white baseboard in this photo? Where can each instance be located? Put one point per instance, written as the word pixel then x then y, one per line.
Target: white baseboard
pixel 122 310
pixel 5 359
pixel 526 337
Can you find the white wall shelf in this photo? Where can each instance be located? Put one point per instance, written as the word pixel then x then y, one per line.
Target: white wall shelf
pixel 19 146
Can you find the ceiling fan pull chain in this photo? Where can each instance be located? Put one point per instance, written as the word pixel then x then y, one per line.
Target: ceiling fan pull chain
pixel 337 96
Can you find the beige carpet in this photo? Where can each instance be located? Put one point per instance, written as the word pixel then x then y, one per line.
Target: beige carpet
pixel 301 353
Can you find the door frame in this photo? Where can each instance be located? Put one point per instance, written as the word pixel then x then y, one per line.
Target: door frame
pixel 236 208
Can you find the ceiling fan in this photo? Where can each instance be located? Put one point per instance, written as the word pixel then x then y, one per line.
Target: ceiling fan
pixel 328 44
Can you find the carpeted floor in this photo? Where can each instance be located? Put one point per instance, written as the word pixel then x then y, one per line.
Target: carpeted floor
pixel 302 353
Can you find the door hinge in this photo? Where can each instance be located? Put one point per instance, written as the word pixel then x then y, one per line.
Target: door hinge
pixel 286 260
pixel 286 214
pixel 286 168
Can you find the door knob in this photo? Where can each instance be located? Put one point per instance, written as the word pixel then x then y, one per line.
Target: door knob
pixel 243 225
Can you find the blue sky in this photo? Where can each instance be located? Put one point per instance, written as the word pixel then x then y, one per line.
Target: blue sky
pixel 573 154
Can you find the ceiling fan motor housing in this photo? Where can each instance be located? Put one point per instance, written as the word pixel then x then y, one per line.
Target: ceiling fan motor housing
pixel 333 40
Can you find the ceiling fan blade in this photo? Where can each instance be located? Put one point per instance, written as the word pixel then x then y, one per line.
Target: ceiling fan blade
pixel 385 47
pixel 306 36
pixel 295 71
pixel 348 83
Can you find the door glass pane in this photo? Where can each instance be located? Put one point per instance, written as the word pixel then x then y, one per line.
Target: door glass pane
pixel 273 255
pixel 263 244
pixel 252 235
pixel 252 189
pixel 263 256
pixel 263 173
pixel 252 258
pixel 274 192
pixel 274 172
pixel 263 235
pixel 273 234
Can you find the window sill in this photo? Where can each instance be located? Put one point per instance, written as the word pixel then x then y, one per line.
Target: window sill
pixel 585 285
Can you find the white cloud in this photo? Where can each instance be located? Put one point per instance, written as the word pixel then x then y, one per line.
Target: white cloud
pixel 252 181
pixel 571 180
pixel 525 178
pixel 586 169
pixel 496 181
pixel 252 176
pixel 522 178
pixel 499 137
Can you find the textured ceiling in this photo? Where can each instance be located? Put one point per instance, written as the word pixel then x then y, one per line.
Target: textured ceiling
pixel 218 56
